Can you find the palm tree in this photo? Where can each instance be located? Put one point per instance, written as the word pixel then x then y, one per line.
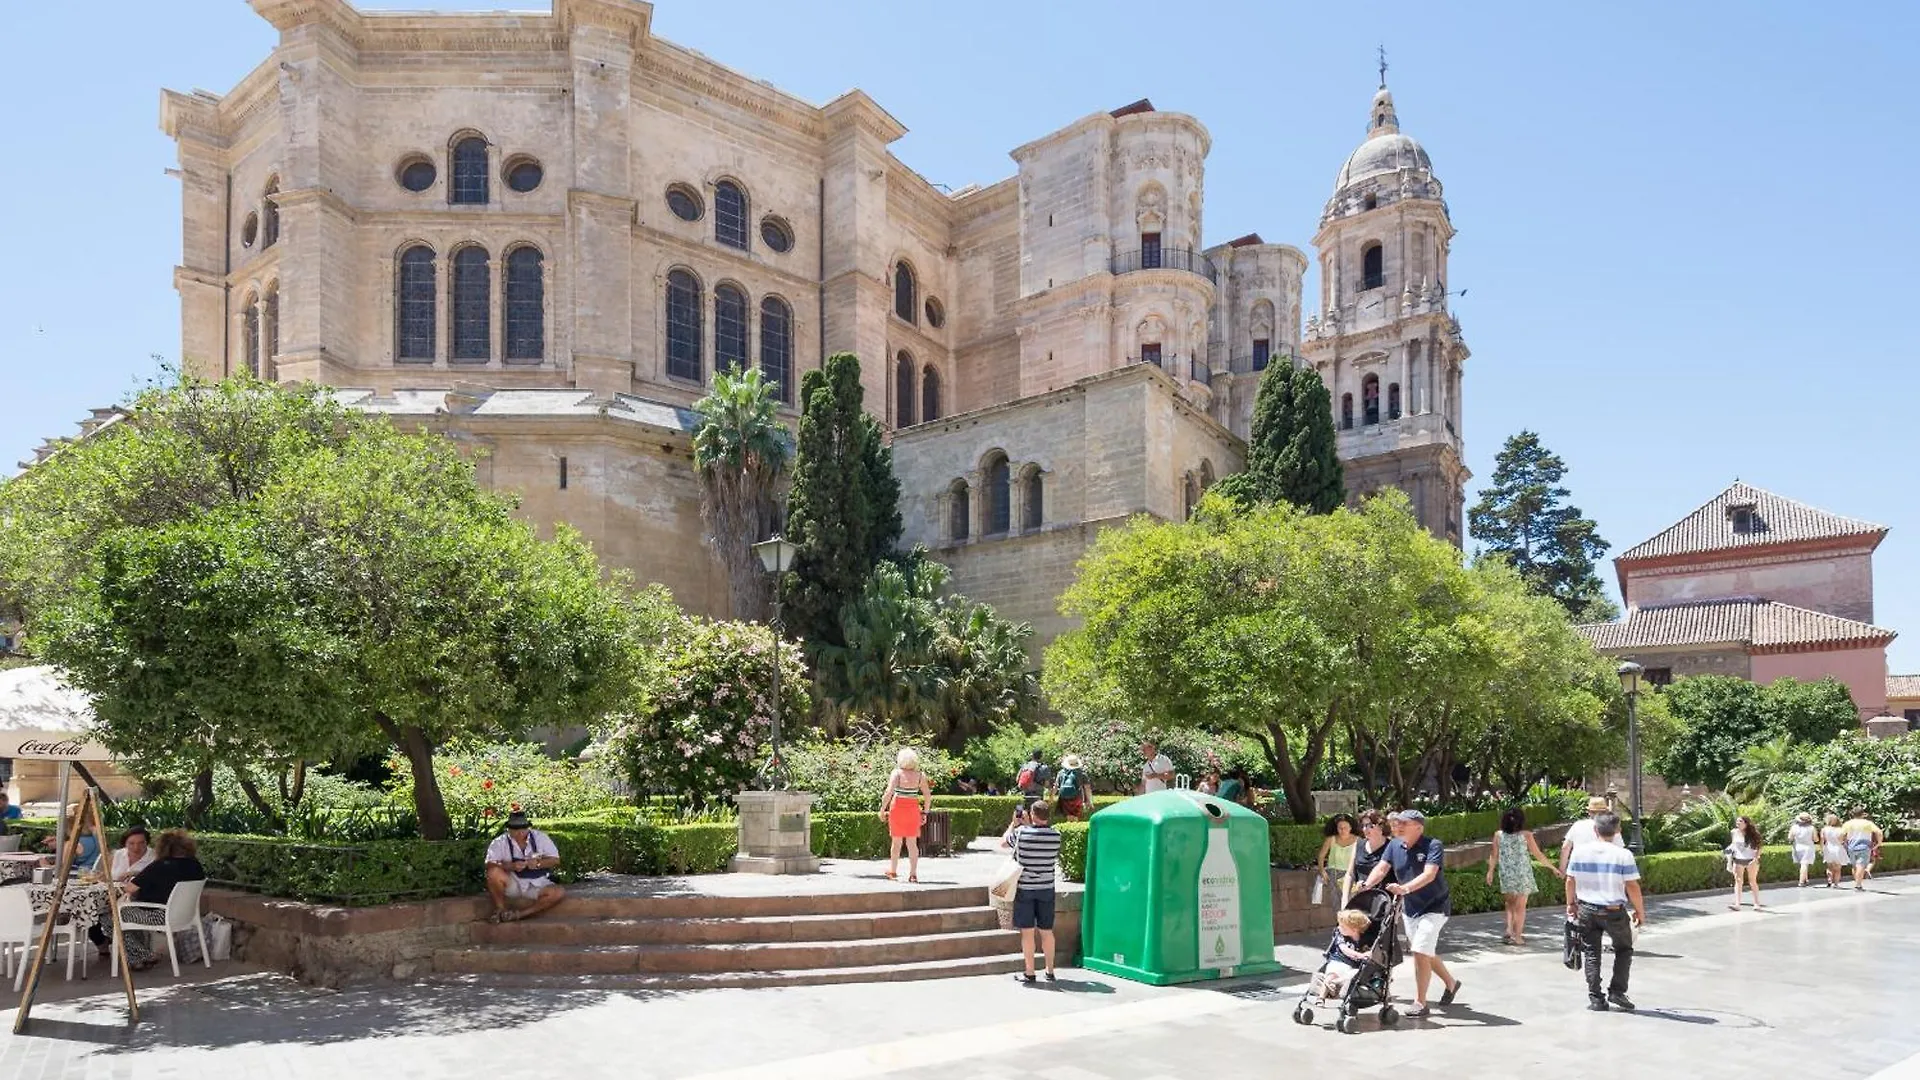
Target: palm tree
pixel 1763 765
pixel 740 452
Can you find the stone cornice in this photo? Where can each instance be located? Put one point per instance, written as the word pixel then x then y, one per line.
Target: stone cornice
pixel 677 65
pixel 855 111
pixel 910 196
pixel 1174 122
pixel 981 201
pixel 194 117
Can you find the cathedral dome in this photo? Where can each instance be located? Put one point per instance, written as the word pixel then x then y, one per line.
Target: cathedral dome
pixel 1386 150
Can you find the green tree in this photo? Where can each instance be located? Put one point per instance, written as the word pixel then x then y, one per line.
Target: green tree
pixel 1811 713
pixel 740 452
pixel 241 572
pixel 844 505
pixel 1718 717
pixel 1291 455
pixel 1524 517
pixel 1882 775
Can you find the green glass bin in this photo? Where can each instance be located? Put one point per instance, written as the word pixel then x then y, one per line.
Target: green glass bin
pixel 1178 889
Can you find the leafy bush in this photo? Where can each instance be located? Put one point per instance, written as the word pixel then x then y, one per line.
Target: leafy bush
pixel 700 737
pixel 1705 822
pixel 1720 716
pixel 849 774
pixel 1882 775
pixel 996 811
pixel 482 782
pixel 863 834
pixel 996 757
pixel 1073 849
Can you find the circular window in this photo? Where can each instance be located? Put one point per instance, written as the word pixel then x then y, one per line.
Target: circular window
pixel 524 174
pixel 250 230
pixel 415 174
pixel 936 315
pixel 683 202
pixel 776 234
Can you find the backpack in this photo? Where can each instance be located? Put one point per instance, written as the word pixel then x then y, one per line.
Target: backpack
pixel 1069 783
pixel 1029 776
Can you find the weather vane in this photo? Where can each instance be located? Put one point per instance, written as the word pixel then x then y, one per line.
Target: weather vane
pixel 1383 66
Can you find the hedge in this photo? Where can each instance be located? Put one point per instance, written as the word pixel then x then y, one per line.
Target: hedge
pixel 863 834
pixel 996 811
pixel 1297 845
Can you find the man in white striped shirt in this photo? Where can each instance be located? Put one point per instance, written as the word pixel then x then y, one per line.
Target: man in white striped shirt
pixel 1602 879
pixel 1036 847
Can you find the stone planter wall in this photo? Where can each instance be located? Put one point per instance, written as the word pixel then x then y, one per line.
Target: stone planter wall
pixel 337 947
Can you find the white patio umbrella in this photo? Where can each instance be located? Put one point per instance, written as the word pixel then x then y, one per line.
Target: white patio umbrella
pixel 42 717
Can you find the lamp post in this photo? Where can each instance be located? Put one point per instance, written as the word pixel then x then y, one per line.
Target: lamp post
pixel 1630 683
pixel 776 554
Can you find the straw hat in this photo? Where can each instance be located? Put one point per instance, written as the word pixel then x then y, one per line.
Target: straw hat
pixel 1071 761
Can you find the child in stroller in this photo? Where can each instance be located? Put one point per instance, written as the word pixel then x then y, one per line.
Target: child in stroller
pixel 1358 970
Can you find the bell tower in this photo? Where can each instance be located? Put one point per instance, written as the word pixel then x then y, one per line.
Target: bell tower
pixel 1383 340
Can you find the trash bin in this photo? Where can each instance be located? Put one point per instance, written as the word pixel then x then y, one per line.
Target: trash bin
pixel 936 833
pixel 1178 889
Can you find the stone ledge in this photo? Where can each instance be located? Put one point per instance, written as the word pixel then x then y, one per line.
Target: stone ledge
pixel 322 920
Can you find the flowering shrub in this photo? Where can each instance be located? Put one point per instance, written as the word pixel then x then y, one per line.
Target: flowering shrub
pixel 484 781
pixel 702 735
pixel 849 774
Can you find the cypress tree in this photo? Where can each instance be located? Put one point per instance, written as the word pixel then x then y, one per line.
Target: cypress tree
pixel 1290 454
pixel 843 511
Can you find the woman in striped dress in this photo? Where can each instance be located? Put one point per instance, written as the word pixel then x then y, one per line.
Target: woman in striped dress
pixel 903 807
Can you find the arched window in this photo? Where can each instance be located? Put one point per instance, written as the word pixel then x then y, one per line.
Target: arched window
pixel 472 300
pixel 729 328
pixel 776 346
pixel 1191 494
pixel 414 290
pixel 1346 412
pixel 683 326
pixel 270 314
pixel 468 183
pixel 1372 267
pixel 1393 401
pixel 1370 399
pixel 251 324
pixel 959 511
pixel 903 392
pixel 525 305
pixel 999 496
pixel 1371 202
pixel 270 214
pixel 929 395
pixel 903 290
pixel 730 214
pixel 1035 503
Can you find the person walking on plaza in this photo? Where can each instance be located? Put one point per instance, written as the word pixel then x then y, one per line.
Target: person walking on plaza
pixel 1581 831
pixel 1863 842
pixel 1415 861
pixel 1743 855
pixel 1034 777
pixel 1833 848
pixel 1367 852
pixel 1073 788
pixel 1336 855
pixel 1515 851
pixel 1036 847
pixel 1602 880
pixel 903 808
pixel 1156 769
pixel 520 866
pixel 1804 838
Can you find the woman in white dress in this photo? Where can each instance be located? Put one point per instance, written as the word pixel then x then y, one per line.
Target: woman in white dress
pixel 1833 847
pixel 1803 838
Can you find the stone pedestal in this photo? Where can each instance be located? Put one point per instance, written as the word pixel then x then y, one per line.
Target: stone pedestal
pixel 775 833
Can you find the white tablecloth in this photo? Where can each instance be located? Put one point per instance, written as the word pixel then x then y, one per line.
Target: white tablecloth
pixel 86 905
pixel 17 868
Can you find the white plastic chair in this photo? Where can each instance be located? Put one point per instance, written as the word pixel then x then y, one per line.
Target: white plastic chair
pixel 9 844
pixel 181 912
pixel 19 927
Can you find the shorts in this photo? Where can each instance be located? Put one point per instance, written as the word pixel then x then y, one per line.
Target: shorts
pixel 519 888
pixel 1033 909
pixel 1070 806
pixel 1423 932
pixel 1861 857
pixel 1331 981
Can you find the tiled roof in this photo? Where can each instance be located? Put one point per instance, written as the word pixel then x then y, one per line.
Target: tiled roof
pixel 1759 624
pixel 1903 686
pixel 1776 520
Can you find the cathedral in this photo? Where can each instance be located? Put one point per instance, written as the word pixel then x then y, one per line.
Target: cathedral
pixel 542 234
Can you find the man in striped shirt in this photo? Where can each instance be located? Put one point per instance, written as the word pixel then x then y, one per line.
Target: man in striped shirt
pixel 1036 847
pixel 1602 879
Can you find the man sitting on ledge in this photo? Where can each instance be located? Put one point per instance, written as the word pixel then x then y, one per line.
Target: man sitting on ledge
pixel 520 865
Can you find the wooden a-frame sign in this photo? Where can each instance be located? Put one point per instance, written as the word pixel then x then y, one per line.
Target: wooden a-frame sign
pixel 89 815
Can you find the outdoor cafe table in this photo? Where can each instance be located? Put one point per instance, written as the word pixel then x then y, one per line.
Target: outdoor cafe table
pixel 85 904
pixel 17 866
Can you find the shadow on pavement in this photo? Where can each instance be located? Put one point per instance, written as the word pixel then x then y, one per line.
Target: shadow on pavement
pixel 1075 986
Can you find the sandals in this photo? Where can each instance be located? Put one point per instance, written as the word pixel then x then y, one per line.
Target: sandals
pixel 893 875
pixel 915 878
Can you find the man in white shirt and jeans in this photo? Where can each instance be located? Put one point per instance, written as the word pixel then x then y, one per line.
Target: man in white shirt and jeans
pixel 1602 879
pixel 1581 832
pixel 520 866
pixel 1156 769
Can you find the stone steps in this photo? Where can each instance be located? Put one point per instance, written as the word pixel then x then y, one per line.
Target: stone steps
pixel 583 904
pixel 998 964
pixel 572 930
pixel 721 957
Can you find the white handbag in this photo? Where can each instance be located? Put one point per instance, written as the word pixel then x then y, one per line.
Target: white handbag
pixel 1319 890
pixel 1006 879
pixel 219 938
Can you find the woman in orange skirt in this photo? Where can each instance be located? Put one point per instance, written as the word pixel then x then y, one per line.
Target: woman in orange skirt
pixel 903 806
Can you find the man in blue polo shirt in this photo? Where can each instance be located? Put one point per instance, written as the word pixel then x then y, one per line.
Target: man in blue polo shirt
pixel 1414 859
pixel 1601 879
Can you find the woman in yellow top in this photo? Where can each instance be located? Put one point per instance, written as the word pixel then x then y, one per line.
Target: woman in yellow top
pixel 903 808
pixel 1336 852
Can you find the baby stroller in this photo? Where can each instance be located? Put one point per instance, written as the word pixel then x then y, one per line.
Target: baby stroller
pixel 1372 984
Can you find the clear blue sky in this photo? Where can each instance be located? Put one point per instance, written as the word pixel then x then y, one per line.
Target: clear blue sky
pixel 1685 229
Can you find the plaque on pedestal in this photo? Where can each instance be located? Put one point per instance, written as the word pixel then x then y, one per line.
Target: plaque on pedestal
pixel 775 828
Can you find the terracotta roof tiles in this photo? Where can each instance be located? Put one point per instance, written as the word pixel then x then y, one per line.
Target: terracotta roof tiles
pixel 1775 519
pixel 1757 624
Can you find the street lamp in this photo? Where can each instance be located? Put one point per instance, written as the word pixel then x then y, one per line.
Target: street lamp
pixel 776 554
pixel 1630 684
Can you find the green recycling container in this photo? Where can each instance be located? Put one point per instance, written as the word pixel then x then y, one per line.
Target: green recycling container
pixel 1178 889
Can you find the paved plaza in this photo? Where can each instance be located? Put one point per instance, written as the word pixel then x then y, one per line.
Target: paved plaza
pixel 1823 986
